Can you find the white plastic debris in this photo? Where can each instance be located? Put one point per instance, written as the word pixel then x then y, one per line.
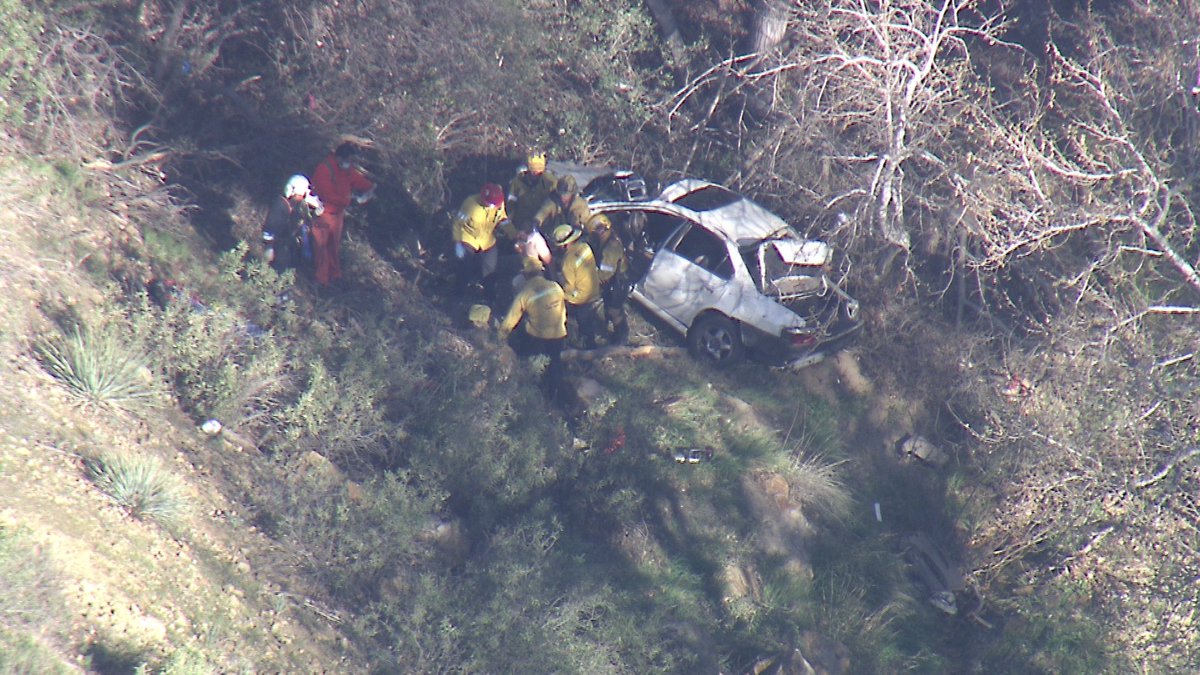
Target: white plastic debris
pixel 211 427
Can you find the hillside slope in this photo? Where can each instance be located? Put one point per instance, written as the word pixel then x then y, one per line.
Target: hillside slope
pixel 126 590
pixel 251 551
pixel 391 491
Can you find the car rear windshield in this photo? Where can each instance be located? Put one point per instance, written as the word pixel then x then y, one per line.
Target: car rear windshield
pixel 708 198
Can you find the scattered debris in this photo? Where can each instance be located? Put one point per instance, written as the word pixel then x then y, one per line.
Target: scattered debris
pixel 933 570
pixel 1017 388
pixel 815 655
pixel 479 315
pixel 918 448
pixel 693 455
pixel 617 442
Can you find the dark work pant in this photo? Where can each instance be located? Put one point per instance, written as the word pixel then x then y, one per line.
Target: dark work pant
pixel 476 267
pixel 614 294
pixel 589 320
pixel 527 345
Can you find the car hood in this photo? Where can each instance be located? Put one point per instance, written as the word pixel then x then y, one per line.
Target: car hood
pixel 582 174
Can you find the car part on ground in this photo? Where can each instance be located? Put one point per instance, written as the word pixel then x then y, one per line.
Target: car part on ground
pixel 692 455
pixel 933 570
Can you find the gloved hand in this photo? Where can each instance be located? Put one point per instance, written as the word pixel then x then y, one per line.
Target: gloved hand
pixel 460 251
pixel 314 202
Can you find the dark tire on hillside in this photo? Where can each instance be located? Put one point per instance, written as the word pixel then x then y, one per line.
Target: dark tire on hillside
pixel 715 339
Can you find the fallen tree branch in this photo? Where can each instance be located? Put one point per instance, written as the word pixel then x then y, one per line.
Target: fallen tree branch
pixel 1173 361
pixel 102 164
pixel 653 351
pixel 1162 473
pixel 1157 309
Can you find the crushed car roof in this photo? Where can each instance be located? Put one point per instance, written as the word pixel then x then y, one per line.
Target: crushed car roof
pixel 715 207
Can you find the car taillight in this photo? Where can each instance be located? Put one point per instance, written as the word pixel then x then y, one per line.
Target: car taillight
pixel 801 339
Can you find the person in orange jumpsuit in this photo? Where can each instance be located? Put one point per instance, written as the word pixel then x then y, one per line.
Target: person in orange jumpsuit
pixel 337 182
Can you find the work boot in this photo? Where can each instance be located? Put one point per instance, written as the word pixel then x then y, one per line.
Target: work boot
pixel 620 333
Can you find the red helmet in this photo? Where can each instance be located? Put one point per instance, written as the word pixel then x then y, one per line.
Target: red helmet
pixel 491 194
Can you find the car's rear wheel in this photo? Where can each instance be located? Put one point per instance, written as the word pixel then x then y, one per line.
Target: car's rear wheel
pixel 715 339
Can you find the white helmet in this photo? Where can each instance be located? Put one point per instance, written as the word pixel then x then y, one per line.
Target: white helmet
pixel 297 186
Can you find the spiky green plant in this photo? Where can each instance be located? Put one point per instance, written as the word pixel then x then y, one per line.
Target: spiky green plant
pixel 101 368
pixel 141 486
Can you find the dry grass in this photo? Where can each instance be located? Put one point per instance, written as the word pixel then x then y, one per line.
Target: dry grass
pixel 818 486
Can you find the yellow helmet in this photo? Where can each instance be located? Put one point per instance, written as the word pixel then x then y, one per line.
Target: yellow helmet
pixel 567 186
pixel 565 234
pixel 599 223
pixel 536 162
pixel 480 315
pixel 532 264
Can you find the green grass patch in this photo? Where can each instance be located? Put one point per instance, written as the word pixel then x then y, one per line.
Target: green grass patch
pixel 23 79
pixel 24 653
pixel 31 610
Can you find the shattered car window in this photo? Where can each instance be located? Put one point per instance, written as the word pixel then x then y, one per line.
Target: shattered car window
pixel 706 250
pixel 659 227
pixel 791 277
pixel 708 198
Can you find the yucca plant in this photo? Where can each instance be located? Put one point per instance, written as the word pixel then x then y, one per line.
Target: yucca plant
pixel 100 368
pixel 141 486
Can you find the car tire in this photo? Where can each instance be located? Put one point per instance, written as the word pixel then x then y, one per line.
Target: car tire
pixel 715 338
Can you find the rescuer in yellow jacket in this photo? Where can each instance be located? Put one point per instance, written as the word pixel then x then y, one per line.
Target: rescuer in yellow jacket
pixel 529 189
pixel 614 276
pixel 474 232
pixel 575 268
pixel 564 206
pixel 541 307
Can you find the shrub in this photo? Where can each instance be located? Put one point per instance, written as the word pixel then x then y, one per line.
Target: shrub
pixel 220 352
pixel 141 486
pixel 20 76
pixel 101 368
pixel 352 543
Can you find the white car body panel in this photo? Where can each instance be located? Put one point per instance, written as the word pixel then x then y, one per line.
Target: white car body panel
pixel 678 289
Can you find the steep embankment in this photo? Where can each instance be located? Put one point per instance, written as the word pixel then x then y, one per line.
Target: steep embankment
pixel 115 591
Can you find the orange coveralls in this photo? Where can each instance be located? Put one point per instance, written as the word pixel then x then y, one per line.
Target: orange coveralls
pixel 335 186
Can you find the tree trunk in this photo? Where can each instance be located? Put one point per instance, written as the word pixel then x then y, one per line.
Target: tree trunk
pixel 767 25
pixel 670 30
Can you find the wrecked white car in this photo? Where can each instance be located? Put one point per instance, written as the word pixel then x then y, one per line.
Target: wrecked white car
pixel 733 277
